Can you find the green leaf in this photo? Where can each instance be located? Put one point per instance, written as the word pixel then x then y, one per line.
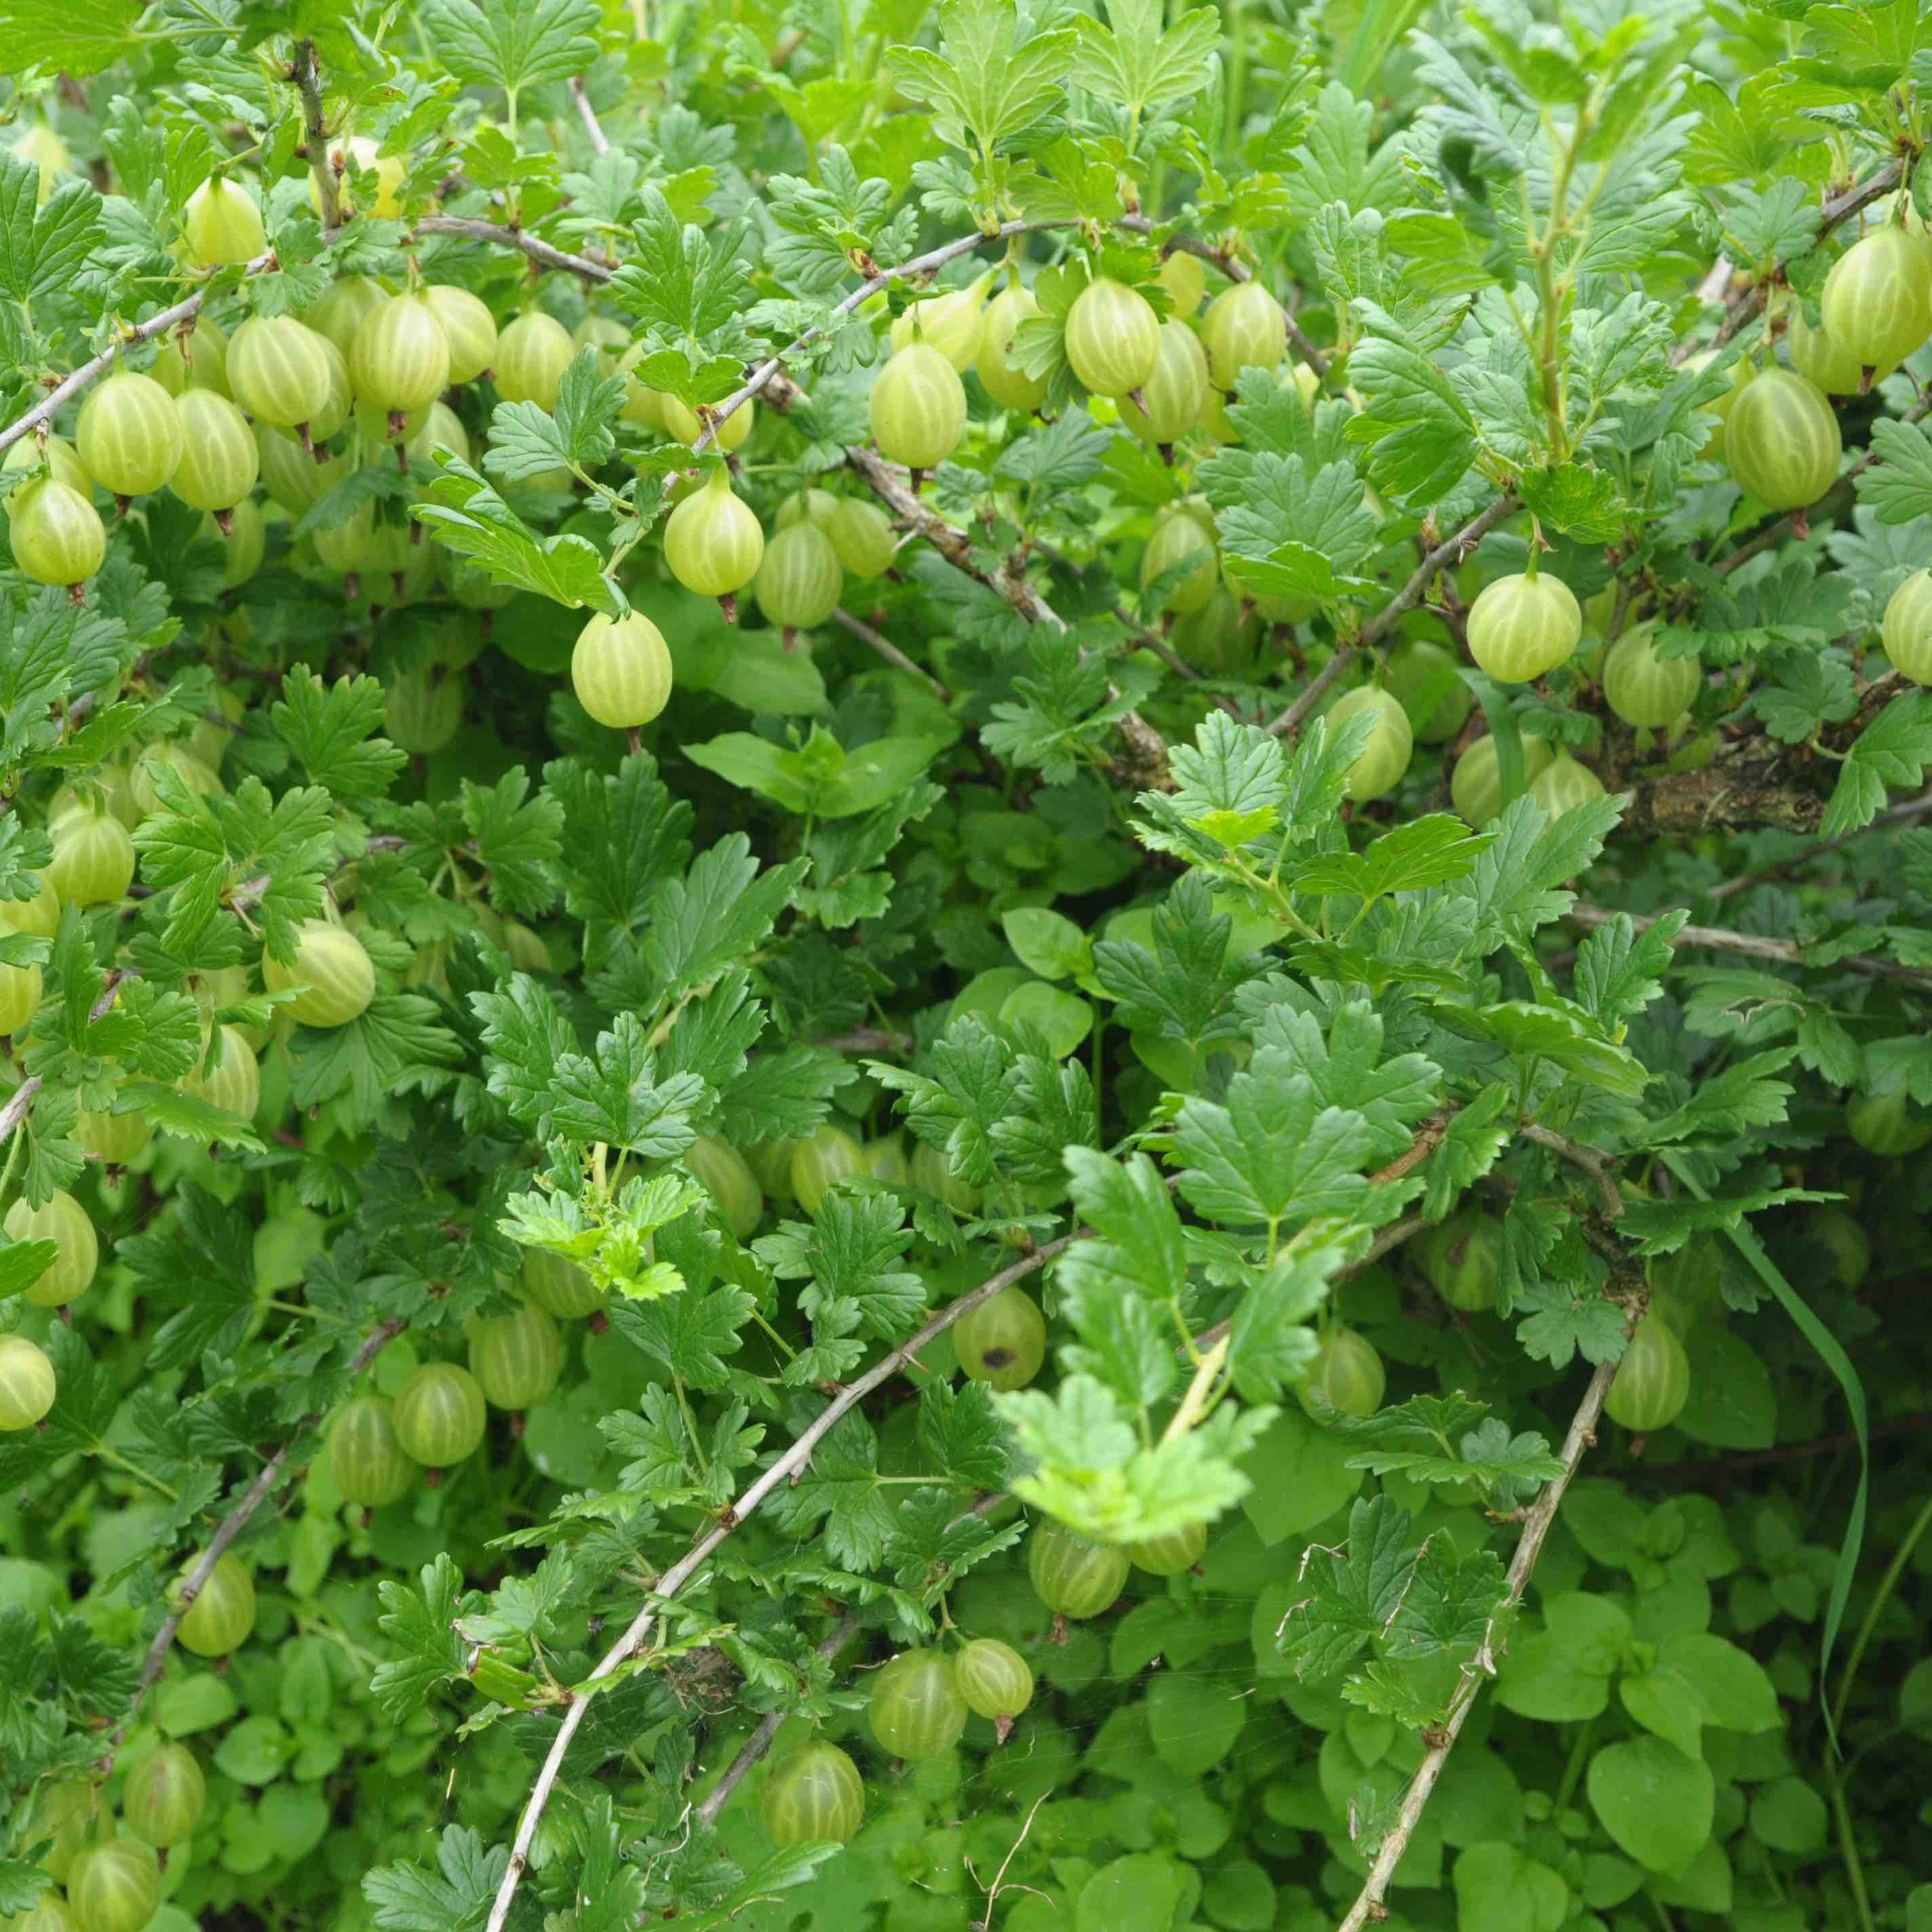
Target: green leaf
pixel 43 248
pixel 1353 1592
pixel 990 80
pixel 467 517
pixel 1134 64
pixel 1654 1801
pixel 512 43
pixel 1894 749
pixel 1427 851
pixel 330 728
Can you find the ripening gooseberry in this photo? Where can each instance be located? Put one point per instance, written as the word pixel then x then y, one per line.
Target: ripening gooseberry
pixel 94 858
pixel 399 359
pixel 821 1161
pixel 861 534
pixel 1002 1342
pixel 1476 784
pixel 234 1083
pixel 999 375
pixel 219 461
pixel 279 371
pixel 729 433
pixel 1783 442
pixel 1168 1555
pixel 115 1887
pixel 222 224
pixel 1073 1576
pixel 1563 784
pixel 1521 627
pixel 223 1613
pixel 1420 673
pixel 194 356
pixel 388 170
pixel 532 353
pixel 1113 336
pixel 468 329
pixel 1185 279
pixel 516 1358
pixel 331 975
pixel 727 1177
pixel 801 580
pixel 620 669
pixel 57 535
pixel 1876 302
pixel 1652 1382
pixel 129 435
pixel 28 1383
pixel 1174 394
pixel 918 407
pixel 439 1415
pixel 712 541
pixel 1182 538
pixel 1906 629
pixel 951 323
pixel 339 309
pixel 1245 328
pixel 1379 766
pixel 1643 689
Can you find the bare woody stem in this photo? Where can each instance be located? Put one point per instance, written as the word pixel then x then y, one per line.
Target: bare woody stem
pixel 230 1527
pixel 307 73
pixel 1754 946
pixel 587 115
pixel 889 651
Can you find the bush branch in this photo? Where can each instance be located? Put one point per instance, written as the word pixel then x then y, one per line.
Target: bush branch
pixel 587 115
pixel 306 72
pixel 1753 945
pixel 1898 814
pixel 1602 1172
pixel 889 651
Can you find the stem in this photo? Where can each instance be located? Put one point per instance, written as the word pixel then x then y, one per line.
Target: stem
pixel 307 73
pixel 1881 1596
pixel 1855 1870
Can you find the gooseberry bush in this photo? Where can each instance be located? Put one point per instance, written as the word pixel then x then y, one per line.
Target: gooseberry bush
pixel 964 968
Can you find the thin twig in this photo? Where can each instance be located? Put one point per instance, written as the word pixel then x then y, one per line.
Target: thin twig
pixel 306 73
pixel 1898 814
pixel 496 236
pixel 44 409
pixel 890 651
pixel 230 1527
pixel 1601 1171
pixel 1451 550
pixel 785 1469
pixel 1752 945
pixel 22 1098
pixel 1368 1906
pixel 587 115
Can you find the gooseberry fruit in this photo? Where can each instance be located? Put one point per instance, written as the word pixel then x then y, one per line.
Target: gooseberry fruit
pixel 1379 766
pixel 1072 1576
pixel 813 1795
pixel 111 1138
pixel 19 996
pixel 41 147
pixel 999 375
pixel 219 462
pixel 291 476
pixel 1643 689
pixel 388 170
pixel 164 1795
pixel 1245 328
pixel 129 435
pixel 800 583
pixel 932 1174
pixel 194 356
pixel 1846 1242
pixel 222 225
pixel 1219 638
pixel 422 709
pixel 1876 302
pixel 223 1613
pixel 1476 784
pixel 61 1219
pixel 38 913
pixel 1171 398
pixel 1180 537
pixel 279 372
pixel 951 323
pixel 94 859
pixel 1521 627
pixel 1423 676
pixel 1814 354
pixel 916 1710
pixel 918 408
pixel 558 1286
pixel 63 1810
pixel 115 1887
pixel 1185 279
pixel 28 1384
pixel 516 1358
pixel 712 541
pixel 1463 1259
pixel 1782 443
pixel 532 353
pixel 862 535
pixel 821 1161
pixel 55 457
pixel 993 1677
pixel 620 669
pixel 1907 628
pixel 1168 1555
pixel 1346 1374
pixel 1113 337
pixel 468 329
pixel 439 1414
pixel 244 544
pixel 1002 1342
pixel 1884 1124
pixel 1652 1382
pixel 642 404
pixel 1563 784
pixel 724 1174
pixel 57 535
pixel 234 1083
pixel 331 975
pixel 340 309
pixel 728 433
pixel 399 360
pixel 194 773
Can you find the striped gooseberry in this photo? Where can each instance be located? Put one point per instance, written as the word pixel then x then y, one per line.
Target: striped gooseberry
pixel 1220 638
pixel 63 1810
pixel 1172 396
pixel 164 1796
pixel 439 1414
pixel 917 407
pixel 1169 1554
pixel 1643 689
pixel 38 913
pixel 1876 302
pixel 55 458
pixel 915 1710
pixel 1423 676
pixel 861 534
pixel 813 1795
pixel 729 433
pixel 129 435
pixel 887 1159
pixel 1906 629
pixel 244 544
pixel 727 1177
pixel 19 996
pixel 808 505
pixel 1476 784
pixel 1521 627
pixel 194 357
pixel 399 359
pixel 222 224
pixel 1783 442
pixel 1652 1382
pixel 1886 1124
pixel 389 172
pixel 1002 1342
pixel 57 534
pixel 28 1384
pixel 468 329
pixel 1185 279
pixel 219 462
pixel 1379 766
pixel 1563 784
pixel 279 371
pixel 94 859
pixel 293 478
pixel 331 975
pixel 620 669
pixel 516 1358
pixel 223 1613
pixel 114 1139
pixel 993 1677
pixel 1245 328
pixel 422 709
pixel 42 149
pixel 558 1286
pixel 712 541
pixel 801 580
pixel 234 1082
pixel 338 311
pixel 1346 1375
pixel 932 1174
pixel 1463 1259
pixel 115 1887
pixel 1073 1576
pixel 532 353
pixel 1182 538
pixel 61 1219
pixel 999 375
pixel 195 772
pixel 643 404
pixel 821 1161
pixel 604 333
pixel 1113 336
pixel 1815 354
pixel 952 323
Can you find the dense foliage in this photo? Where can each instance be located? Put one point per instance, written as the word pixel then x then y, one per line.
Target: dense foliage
pixel 966 968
